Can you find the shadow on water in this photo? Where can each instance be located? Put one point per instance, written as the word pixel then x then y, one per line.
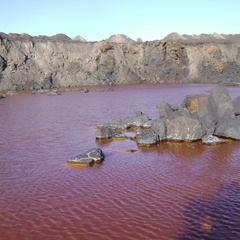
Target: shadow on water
pixel 216 219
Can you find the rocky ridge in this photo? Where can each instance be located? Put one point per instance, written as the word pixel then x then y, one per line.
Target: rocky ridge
pixel 33 63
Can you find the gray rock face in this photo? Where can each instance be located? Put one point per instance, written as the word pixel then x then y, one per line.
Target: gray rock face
pixel 108 132
pixel 147 137
pixel 229 128
pixel 159 127
pixel 200 106
pixel 88 158
pixel 184 128
pixel 221 103
pixel 164 109
pixel 196 104
pixel 236 105
pixel 137 121
pixel 104 132
pixel 32 63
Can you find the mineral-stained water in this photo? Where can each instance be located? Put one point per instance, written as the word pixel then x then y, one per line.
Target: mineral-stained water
pixel 169 191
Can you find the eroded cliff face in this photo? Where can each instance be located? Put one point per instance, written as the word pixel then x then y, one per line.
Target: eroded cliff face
pixel 40 62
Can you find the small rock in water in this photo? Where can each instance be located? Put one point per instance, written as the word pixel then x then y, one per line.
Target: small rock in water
pixel 53 93
pixel 88 158
pixel 2 96
pixel 83 90
pixel 211 140
pixel 12 93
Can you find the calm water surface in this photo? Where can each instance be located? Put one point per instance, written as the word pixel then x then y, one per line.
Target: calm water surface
pixel 170 191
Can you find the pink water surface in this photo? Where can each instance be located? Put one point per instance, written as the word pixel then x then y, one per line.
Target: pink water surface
pixel 170 191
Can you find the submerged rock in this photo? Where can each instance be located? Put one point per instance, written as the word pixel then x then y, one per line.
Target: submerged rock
pixel 90 157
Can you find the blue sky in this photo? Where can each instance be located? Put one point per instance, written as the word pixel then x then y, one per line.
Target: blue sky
pixel 96 20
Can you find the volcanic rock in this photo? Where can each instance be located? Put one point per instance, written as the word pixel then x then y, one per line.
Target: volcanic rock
pixel 147 137
pixel 184 128
pixel 236 105
pixel 88 158
pixel 229 128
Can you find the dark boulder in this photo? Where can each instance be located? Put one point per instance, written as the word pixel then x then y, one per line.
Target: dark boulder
pixel 184 128
pixel 229 128
pixel 147 137
pixel 179 112
pixel 197 104
pixel 236 105
pixel 200 106
pixel 159 127
pixel 107 132
pixel 164 109
pixel 88 158
pixel 104 132
pixel 137 121
pixel 221 104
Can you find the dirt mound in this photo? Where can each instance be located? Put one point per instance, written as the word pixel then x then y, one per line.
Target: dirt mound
pixel 120 38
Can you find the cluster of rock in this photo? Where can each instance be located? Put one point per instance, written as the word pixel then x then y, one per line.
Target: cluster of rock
pixel 211 118
pixel 199 117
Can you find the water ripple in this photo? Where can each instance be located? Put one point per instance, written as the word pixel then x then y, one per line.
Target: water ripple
pixel 170 191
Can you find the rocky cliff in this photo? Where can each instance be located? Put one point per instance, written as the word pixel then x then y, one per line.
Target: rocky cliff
pixel 28 62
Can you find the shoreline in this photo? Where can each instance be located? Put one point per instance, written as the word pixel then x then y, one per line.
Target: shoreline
pixel 105 88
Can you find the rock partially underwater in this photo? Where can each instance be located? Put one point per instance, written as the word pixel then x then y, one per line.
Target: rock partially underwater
pixel 198 117
pixel 94 155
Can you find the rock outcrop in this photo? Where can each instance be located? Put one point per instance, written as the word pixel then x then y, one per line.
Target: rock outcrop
pixel 199 117
pixel 33 63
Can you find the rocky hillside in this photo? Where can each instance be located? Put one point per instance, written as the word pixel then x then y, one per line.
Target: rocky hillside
pixel 28 62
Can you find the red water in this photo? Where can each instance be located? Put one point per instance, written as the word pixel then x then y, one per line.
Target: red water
pixel 170 191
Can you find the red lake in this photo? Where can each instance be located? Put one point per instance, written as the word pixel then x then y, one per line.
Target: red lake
pixel 170 191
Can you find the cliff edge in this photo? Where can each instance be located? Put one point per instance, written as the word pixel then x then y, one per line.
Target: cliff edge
pixel 42 62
